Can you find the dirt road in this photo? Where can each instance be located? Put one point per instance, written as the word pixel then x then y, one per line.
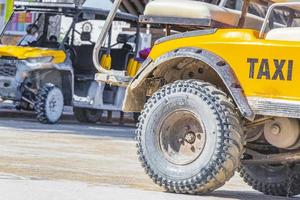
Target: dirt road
pixel 74 161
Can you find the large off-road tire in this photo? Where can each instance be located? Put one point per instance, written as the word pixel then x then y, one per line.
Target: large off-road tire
pixel 189 137
pixel 277 180
pixel 136 116
pixel 85 115
pixel 49 104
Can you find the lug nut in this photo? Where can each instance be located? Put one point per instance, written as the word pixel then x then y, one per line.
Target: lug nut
pixel 275 130
pixel 190 137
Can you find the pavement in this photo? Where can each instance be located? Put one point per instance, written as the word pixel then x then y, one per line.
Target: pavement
pixel 8 110
pixel 71 161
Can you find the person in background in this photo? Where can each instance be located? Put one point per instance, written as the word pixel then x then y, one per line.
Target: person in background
pixel 53 38
pixel 30 37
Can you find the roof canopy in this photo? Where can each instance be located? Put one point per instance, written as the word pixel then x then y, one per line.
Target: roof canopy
pixel 137 7
pixel 70 9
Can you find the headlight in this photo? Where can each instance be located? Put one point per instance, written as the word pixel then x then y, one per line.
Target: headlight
pixel 45 59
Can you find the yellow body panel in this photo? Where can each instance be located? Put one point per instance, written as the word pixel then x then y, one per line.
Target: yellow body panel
pixel 236 47
pixel 32 52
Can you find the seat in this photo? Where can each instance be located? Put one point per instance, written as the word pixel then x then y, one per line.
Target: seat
pixel 284 34
pixel 201 10
pixel 83 65
pixel 120 58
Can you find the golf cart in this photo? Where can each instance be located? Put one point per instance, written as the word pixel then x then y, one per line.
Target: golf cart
pixel 46 74
pixel 214 102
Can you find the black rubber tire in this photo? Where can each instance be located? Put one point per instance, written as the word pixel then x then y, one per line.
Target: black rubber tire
pixel 80 114
pixel 226 138
pixel 85 115
pixel 136 116
pixel 93 116
pixel 272 180
pixel 40 104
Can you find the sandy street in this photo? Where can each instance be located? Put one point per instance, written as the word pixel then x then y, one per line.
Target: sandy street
pixel 75 161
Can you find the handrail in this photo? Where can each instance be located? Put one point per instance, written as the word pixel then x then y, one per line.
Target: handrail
pixel 101 39
pixel 270 10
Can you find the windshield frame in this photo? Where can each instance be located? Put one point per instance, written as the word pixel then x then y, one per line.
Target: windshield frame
pixel 4 28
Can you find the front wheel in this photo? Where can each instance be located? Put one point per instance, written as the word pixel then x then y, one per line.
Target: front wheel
pixel 189 137
pixel 49 104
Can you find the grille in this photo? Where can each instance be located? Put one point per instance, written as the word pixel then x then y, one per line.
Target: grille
pixel 8 68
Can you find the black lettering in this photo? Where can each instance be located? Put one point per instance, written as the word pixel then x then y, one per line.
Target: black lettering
pixel 264 69
pixel 252 62
pixel 278 72
pixel 290 70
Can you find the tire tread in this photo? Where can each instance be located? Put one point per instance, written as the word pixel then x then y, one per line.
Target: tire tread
pixel 230 147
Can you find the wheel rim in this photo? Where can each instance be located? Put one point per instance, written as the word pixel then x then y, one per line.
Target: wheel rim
pixel 182 137
pixel 54 104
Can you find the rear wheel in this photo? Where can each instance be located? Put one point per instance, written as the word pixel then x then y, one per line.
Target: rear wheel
pixel 189 137
pixel 277 180
pixel 80 114
pixel 49 104
pixel 85 115
pixel 93 115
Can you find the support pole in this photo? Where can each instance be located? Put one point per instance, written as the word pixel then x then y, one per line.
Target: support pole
pixel 244 13
pixel 101 39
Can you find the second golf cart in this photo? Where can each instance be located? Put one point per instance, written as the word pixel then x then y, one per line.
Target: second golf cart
pixel 56 67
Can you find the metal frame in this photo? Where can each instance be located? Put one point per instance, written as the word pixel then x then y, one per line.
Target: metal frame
pixel 71 9
pixel 279 158
pixel 147 19
pixel 94 99
pixel 275 107
pixel 269 13
pixel 101 40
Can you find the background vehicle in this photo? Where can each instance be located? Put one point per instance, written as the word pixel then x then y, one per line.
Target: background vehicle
pixel 220 100
pixel 47 75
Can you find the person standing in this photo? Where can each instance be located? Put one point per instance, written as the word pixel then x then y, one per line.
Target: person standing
pixel 30 37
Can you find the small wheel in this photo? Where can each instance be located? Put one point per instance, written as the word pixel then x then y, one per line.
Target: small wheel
pixel 276 180
pixel 85 115
pixel 189 137
pixel 49 104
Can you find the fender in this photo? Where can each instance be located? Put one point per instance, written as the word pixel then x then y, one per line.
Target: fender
pixel 220 66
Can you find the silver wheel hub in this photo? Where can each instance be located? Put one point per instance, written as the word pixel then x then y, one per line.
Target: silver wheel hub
pixel 182 137
pixel 54 104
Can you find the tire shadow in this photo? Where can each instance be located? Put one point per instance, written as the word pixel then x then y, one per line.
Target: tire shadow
pixel 109 131
pixel 245 195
